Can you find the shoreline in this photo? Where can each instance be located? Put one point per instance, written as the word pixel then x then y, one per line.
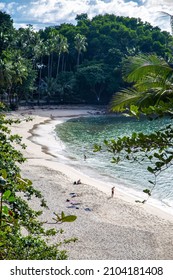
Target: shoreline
pixel 40 158
pixel 74 173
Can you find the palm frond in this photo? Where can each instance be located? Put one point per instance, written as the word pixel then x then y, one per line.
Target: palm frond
pixel 137 68
pixel 152 83
pixel 165 14
pixel 121 100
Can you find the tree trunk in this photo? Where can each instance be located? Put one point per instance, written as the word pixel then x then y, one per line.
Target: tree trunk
pixel 57 72
pixel 48 67
pixel 78 59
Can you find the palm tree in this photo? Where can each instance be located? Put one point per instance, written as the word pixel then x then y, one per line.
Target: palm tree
pixel 26 40
pixel 65 47
pixel 5 76
pixel 80 45
pixel 50 48
pixel 13 71
pixel 40 50
pixel 61 46
pixel 151 80
pixel 48 88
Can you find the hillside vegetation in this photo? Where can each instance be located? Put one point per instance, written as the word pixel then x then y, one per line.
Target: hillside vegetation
pixel 70 64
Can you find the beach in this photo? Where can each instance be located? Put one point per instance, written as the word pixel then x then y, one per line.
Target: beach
pixel 106 228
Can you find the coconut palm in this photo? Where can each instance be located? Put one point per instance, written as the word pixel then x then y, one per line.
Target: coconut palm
pixel 50 47
pixel 151 80
pixel 26 39
pixel 61 46
pixel 40 50
pixel 13 71
pixel 80 45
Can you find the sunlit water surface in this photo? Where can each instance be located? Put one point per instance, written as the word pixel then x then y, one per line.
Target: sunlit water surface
pixel 79 135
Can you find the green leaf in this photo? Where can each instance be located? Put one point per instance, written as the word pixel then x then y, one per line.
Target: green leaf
pixel 134 134
pixel 62 215
pixel 151 182
pixel 134 110
pixel 6 195
pixel 4 173
pixel 138 201
pixel 69 219
pixel 150 169
pixel 97 148
pixel 5 209
pixel 11 199
pixel 147 192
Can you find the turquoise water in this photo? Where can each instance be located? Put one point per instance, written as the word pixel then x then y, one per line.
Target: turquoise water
pixel 79 136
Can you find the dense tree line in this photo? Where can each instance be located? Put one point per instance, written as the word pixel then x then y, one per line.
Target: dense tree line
pixel 69 63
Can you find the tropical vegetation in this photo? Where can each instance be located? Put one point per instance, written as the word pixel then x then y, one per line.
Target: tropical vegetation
pixel 69 63
pixel 93 62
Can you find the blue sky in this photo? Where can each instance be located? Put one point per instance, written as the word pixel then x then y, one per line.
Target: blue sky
pixel 41 13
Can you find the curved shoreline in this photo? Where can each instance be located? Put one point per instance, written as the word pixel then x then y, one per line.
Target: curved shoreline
pixel 128 195
pixel 129 221
pixel 71 172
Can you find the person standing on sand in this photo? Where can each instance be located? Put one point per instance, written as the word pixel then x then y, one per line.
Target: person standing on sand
pixel 113 191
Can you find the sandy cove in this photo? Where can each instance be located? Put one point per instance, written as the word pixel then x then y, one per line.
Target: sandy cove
pixel 107 228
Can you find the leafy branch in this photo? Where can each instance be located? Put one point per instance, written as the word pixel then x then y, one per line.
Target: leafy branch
pixel 15 212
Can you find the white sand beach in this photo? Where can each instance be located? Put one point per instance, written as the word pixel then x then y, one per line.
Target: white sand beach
pixel 107 228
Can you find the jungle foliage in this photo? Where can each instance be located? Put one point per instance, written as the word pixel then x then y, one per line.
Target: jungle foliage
pixel 69 63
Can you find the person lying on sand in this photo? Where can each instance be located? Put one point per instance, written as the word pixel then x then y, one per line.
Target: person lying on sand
pixel 77 182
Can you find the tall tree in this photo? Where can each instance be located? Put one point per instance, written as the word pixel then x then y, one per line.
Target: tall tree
pixel 92 77
pixel 13 71
pixel 40 50
pixel 26 40
pixel 6 31
pixel 50 47
pixel 80 45
pixel 61 47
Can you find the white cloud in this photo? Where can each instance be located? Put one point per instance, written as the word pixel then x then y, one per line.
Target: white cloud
pixel 159 2
pixel 61 10
pixel 21 8
pixel 51 12
pixel 2 6
pixel 58 11
pixel 10 8
pixel 156 7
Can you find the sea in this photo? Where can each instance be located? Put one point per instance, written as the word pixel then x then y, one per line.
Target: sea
pixel 75 139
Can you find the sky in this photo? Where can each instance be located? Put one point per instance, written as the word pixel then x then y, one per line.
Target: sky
pixel 42 13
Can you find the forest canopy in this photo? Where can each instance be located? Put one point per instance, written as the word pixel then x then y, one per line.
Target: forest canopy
pixel 69 64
